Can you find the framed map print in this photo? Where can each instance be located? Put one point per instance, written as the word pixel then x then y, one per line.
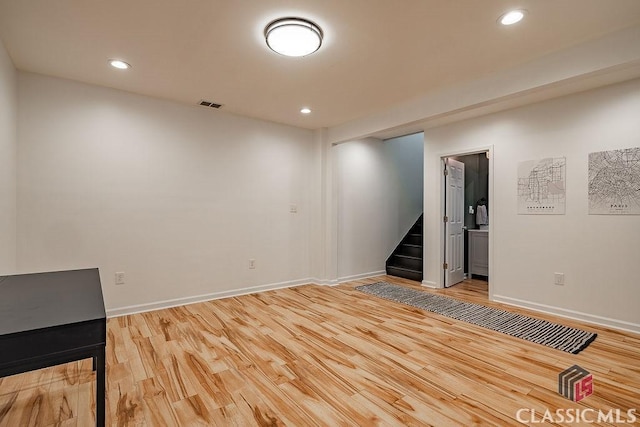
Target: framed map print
pixel 541 186
pixel 614 182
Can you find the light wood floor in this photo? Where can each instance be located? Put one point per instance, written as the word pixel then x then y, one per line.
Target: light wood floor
pixel 314 355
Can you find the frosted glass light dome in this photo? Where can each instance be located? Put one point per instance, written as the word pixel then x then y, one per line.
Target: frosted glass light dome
pixel 293 36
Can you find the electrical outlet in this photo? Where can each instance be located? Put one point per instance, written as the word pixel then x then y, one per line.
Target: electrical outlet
pixel 120 278
pixel 558 279
pixel 252 264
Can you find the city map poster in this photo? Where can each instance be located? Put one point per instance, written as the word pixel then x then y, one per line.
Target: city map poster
pixel 541 186
pixel 614 182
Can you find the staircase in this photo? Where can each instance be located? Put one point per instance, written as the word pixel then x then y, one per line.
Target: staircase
pixel 406 259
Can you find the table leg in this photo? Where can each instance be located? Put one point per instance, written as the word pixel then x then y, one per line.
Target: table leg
pixel 99 360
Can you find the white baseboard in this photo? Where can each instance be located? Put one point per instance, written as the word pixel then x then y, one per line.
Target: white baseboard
pixel 429 284
pixel 361 276
pixel 141 308
pixel 324 282
pixel 570 314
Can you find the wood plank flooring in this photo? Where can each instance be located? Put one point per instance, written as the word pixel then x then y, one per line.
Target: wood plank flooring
pixel 321 356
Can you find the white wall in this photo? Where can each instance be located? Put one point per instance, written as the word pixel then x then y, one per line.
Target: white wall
pixel 177 197
pixel 366 207
pixel 406 155
pixel 8 149
pixel 379 187
pixel 598 254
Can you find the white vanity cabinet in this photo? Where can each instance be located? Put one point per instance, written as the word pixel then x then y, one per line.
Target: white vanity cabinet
pixel 479 252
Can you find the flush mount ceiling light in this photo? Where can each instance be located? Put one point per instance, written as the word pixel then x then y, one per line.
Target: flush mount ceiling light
pixel 512 17
pixel 305 110
pixel 293 36
pixel 120 65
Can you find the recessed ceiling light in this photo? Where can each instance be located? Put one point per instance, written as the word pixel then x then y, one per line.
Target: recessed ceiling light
pixel 512 17
pixel 293 36
pixel 121 65
pixel 305 110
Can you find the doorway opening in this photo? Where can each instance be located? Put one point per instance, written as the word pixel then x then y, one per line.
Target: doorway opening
pixel 466 218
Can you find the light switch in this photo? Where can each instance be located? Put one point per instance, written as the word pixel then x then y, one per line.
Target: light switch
pixel 120 278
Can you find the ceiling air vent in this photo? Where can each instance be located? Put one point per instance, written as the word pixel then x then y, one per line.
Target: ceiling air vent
pixel 209 104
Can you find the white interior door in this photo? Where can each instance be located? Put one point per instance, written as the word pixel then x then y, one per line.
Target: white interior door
pixel 454 222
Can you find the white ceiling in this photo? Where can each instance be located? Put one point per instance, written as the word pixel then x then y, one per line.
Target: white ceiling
pixel 376 53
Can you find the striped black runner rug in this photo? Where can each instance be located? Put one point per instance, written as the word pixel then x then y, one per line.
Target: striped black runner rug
pixel 539 331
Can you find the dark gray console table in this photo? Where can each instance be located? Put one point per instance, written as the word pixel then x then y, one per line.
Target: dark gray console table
pixel 47 319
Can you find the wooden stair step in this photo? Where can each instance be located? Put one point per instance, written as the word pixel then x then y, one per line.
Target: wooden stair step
pixel 405 273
